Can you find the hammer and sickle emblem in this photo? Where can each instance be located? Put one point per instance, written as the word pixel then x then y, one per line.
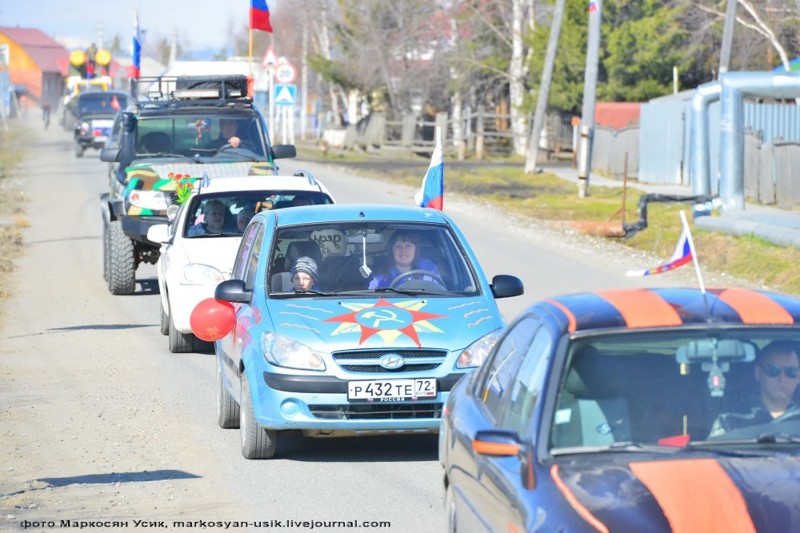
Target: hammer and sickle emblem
pixel 387 316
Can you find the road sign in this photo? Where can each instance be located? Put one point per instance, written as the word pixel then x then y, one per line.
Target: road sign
pixel 269 59
pixel 285 73
pixel 285 94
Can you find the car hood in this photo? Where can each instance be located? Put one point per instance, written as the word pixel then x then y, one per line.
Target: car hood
pixel 717 493
pixel 218 252
pixel 164 177
pixel 335 324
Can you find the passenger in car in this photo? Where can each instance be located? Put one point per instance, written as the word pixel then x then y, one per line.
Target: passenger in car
pixel 214 213
pixel 777 372
pixel 243 218
pixel 402 257
pixel 228 134
pixel 305 274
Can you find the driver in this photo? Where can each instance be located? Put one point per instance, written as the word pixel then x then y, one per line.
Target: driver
pixel 228 129
pixel 403 246
pixel 777 372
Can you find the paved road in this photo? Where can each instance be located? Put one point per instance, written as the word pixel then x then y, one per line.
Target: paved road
pixel 100 422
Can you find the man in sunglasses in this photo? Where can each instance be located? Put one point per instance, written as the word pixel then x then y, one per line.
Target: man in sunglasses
pixel 777 372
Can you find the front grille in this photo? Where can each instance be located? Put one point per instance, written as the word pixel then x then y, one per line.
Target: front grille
pixel 367 362
pixel 377 411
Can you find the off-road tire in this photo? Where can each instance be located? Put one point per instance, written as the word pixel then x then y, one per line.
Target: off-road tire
pixel 106 239
pixel 179 342
pixel 79 150
pixel 257 442
pixel 121 261
pixel 227 408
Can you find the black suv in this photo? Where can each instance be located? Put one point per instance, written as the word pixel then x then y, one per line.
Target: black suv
pixel 168 139
pixel 90 115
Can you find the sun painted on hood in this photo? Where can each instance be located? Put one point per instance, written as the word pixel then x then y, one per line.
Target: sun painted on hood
pixel 387 320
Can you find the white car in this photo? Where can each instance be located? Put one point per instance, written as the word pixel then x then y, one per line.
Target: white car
pixel 200 243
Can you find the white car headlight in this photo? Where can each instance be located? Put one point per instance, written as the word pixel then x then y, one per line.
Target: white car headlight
pixel 475 354
pixel 282 351
pixel 156 200
pixel 198 274
pixel 85 128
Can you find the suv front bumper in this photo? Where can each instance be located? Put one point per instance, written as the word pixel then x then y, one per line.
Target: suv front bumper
pixel 136 227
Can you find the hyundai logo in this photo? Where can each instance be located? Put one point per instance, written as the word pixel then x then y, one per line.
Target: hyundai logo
pixel 391 361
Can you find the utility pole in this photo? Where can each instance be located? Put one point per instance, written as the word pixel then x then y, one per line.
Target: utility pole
pixel 589 96
pixel 727 38
pixel 544 88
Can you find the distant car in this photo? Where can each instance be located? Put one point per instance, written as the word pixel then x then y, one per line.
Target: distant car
pixel 341 358
pixel 601 412
pixel 193 261
pixel 90 116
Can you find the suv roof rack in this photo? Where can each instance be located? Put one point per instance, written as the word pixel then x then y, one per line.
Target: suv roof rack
pixel 197 90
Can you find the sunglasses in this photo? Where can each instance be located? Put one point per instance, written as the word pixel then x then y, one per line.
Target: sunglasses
pixel 774 371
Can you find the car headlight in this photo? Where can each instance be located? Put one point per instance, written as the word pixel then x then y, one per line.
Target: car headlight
pixel 475 354
pixel 282 351
pixel 198 274
pixel 84 128
pixel 149 199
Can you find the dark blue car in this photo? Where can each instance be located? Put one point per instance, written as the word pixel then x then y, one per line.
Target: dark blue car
pixel 632 410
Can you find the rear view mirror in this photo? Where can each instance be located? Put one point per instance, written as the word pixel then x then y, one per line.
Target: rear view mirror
pixel 704 350
pixel 504 286
pixel 233 290
pixel 109 155
pixel 283 151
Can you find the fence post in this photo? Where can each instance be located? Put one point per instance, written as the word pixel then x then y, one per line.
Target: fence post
pixel 479 134
pixel 409 127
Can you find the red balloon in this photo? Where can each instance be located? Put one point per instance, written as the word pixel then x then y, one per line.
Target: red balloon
pixel 212 319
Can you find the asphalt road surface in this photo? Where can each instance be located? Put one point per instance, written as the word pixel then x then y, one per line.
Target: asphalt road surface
pixel 101 424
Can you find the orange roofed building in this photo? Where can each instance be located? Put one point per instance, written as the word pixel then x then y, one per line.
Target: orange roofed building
pixel 36 62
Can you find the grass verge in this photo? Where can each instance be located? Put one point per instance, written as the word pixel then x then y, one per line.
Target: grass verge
pixel 12 202
pixel 549 198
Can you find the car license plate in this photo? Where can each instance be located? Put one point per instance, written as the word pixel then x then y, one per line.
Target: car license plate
pixel 391 390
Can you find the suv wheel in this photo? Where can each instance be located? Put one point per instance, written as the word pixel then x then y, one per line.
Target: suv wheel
pixel 106 239
pixel 257 442
pixel 79 150
pixel 121 261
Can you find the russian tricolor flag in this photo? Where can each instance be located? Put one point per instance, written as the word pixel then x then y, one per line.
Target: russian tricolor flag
pixel 681 256
pixel 431 194
pixel 592 6
pixel 259 16
pixel 136 64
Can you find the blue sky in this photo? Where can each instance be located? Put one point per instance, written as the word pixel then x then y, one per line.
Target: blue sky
pixel 76 23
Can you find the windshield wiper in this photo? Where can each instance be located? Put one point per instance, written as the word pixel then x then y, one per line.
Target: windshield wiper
pixel 622 446
pixel 405 292
pixel 762 438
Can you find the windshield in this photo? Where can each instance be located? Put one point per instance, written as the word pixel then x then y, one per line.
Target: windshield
pixel 101 103
pixel 218 137
pixel 227 214
pixel 678 386
pixel 385 258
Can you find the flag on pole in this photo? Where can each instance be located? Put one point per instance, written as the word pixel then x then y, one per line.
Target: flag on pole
pixel 593 6
pixel 684 252
pixel 681 256
pixel 136 64
pixel 431 194
pixel 259 16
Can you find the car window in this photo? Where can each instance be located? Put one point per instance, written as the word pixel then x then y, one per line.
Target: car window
pixel 240 264
pixel 199 134
pixel 496 386
pixel 528 383
pixel 252 260
pixel 359 256
pixel 238 208
pixel 672 387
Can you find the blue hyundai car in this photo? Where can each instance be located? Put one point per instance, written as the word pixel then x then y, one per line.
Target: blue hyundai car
pixel 626 410
pixel 350 320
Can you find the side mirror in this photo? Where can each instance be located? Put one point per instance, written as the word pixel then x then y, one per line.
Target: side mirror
pixel 283 151
pixel 504 286
pixel 109 155
pixel 233 290
pixel 172 212
pixel 497 443
pixel 158 233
